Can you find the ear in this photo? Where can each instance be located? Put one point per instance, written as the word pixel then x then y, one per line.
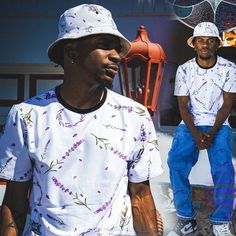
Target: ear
pixel 218 44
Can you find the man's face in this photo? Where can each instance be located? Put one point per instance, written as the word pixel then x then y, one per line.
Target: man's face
pixel 206 47
pixel 99 56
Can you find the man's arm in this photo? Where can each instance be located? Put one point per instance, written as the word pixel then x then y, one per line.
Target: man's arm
pixel 199 136
pixel 143 209
pixel 222 113
pixel 14 209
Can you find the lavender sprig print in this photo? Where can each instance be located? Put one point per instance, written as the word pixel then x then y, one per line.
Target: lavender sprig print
pixel 125 219
pixel 52 165
pixel 201 74
pixel 109 126
pixel 119 107
pixel 104 206
pixel 86 232
pixel 76 198
pixel 143 134
pixel 58 220
pixel 140 111
pixel 3 167
pixel 49 95
pixel 55 163
pixel 66 124
pixel 106 144
pixel 197 90
pixel 45 150
pixel 102 141
pixel 149 168
pixel 39 198
pixel 80 202
pixel 155 143
pixel 118 153
pixel 27 118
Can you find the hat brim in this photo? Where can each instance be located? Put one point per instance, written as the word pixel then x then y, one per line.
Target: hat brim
pixel 190 41
pixel 57 46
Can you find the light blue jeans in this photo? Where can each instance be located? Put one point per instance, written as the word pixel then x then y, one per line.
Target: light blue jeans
pixel 184 155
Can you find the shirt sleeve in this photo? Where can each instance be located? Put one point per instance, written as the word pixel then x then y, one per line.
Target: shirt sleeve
pixel 230 80
pixel 181 85
pixel 15 163
pixel 146 161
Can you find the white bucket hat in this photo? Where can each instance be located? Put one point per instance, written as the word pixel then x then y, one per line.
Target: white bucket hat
pixel 85 20
pixel 204 29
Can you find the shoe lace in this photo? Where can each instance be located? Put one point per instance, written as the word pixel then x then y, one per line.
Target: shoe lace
pixel 224 230
pixel 179 225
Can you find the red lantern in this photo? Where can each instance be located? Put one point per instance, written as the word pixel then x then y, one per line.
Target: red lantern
pixel 141 71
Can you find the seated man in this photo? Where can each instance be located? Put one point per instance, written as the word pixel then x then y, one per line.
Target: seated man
pixel 205 87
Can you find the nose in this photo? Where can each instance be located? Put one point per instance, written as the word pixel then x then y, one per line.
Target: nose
pixel 114 56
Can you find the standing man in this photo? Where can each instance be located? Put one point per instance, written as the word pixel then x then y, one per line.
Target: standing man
pixel 205 87
pixel 86 153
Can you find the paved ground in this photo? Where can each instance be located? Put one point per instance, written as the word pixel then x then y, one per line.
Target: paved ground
pixel 203 204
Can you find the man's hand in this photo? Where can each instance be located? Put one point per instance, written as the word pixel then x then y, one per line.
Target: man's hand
pixel 203 139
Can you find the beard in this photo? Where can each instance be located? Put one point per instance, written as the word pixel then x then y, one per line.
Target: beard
pixel 211 53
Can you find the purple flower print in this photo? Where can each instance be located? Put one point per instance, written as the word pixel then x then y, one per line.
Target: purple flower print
pixel 66 124
pixel 49 95
pixel 104 206
pixel 104 143
pixel 39 198
pixel 78 199
pixel 57 162
pixel 57 220
pixel 3 167
pixel 197 90
pixel 28 172
pixel 149 168
pixel 45 150
pixel 143 134
pixel 114 128
pixel 119 107
pixel 201 74
pixel 118 153
pixel 86 232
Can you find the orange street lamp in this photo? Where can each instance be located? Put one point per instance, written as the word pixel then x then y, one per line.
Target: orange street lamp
pixel 141 71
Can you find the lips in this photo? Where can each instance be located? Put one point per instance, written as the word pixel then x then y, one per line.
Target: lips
pixel 112 70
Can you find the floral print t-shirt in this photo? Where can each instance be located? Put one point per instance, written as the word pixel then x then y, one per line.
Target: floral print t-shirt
pixel 205 88
pixel 80 162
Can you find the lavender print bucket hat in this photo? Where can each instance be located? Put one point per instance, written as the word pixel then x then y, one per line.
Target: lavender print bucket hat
pixel 85 20
pixel 204 29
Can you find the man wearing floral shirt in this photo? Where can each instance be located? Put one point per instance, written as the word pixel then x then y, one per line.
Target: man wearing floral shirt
pixel 205 87
pixel 86 152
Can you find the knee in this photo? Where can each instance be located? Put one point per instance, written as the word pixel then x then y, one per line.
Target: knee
pixel 176 163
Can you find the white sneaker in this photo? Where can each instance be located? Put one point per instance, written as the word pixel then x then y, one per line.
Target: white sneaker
pixel 183 227
pixel 222 230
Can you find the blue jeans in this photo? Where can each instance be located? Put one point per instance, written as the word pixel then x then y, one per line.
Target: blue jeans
pixel 184 155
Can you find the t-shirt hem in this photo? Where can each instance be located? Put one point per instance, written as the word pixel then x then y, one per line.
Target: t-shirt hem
pixel 7 178
pixel 145 179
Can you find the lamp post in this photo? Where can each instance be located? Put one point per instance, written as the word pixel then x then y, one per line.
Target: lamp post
pixel 141 71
